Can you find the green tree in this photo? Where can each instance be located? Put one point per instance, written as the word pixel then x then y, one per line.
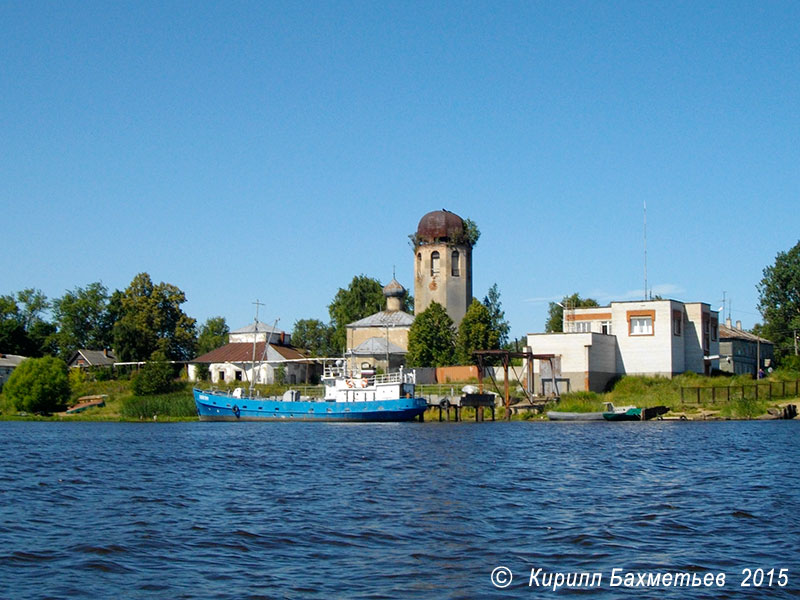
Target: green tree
pixel 23 329
pixel 38 385
pixel 555 317
pixel 13 337
pixel 213 334
pixel 150 319
pixel 475 333
pixel 431 338
pixel 313 335
pixel 779 301
pixel 497 316
pixel 83 320
pixel 155 377
pixel 362 298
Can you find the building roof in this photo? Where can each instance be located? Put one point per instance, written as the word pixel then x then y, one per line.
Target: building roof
pixel 377 346
pixel 93 358
pixel 258 327
pixel 440 224
pixel 732 333
pixel 242 352
pixel 11 360
pixel 385 318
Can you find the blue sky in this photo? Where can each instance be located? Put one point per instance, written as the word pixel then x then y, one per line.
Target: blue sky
pixel 272 150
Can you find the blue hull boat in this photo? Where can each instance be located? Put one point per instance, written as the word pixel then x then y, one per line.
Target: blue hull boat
pixel 216 406
pixel 365 397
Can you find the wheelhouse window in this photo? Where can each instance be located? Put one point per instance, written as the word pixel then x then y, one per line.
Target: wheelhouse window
pixel 641 325
pixel 434 263
pixel 454 269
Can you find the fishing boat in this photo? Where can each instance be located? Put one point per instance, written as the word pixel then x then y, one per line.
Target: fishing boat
pixel 348 396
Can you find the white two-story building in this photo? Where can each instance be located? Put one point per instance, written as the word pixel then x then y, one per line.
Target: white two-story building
pixel 653 337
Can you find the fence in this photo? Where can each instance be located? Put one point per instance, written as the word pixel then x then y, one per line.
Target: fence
pixel 768 390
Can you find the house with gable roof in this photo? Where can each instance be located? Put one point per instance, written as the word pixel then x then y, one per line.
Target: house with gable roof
pixel 255 351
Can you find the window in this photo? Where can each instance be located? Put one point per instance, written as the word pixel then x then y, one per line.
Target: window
pixel 582 326
pixel 238 375
pixel 434 263
pixel 605 327
pixel 641 325
pixel 454 270
pixel 714 331
pixel 677 322
pixel 222 376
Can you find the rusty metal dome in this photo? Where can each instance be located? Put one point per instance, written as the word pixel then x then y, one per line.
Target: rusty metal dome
pixel 440 225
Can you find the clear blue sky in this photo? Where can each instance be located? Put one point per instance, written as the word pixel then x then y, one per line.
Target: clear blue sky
pixel 271 150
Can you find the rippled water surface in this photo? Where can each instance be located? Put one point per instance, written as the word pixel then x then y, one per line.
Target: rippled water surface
pixel 292 510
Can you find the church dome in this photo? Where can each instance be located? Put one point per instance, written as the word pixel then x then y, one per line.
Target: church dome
pixel 440 225
pixel 393 289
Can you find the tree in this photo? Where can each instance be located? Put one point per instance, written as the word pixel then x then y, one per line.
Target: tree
pixel 497 317
pixel 362 298
pixel 779 301
pixel 213 334
pixel 555 318
pixel 150 320
pixel 155 377
pixel 313 335
pixel 22 329
pixel 475 333
pixel 431 338
pixel 83 320
pixel 38 385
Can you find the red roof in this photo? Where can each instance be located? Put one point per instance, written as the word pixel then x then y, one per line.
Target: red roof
pixel 243 352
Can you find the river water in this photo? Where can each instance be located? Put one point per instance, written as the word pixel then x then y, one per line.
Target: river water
pixel 313 510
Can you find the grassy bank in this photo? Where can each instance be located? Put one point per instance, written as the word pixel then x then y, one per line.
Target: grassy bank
pixel 692 395
pixel 715 400
pixel 120 404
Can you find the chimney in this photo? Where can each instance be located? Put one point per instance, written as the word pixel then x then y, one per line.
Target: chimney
pixel 739 325
pixel 728 323
pixel 105 352
pixel 283 338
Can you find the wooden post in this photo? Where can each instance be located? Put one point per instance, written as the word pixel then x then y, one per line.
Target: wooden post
pixel 698 394
pixel 713 395
pixel 505 374
pixel 440 413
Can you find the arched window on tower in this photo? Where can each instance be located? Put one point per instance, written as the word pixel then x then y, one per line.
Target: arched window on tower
pixel 454 267
pixel 434 263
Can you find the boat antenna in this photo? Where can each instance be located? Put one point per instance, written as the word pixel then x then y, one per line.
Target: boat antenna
pixel 255 338
pixel 645 249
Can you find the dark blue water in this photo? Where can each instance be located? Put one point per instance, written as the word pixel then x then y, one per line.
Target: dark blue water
pixel 292 510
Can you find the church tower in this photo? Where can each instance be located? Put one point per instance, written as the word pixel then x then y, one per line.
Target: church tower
pixel 442 264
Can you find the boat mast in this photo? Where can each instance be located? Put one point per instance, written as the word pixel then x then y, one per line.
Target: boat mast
pixel 255 338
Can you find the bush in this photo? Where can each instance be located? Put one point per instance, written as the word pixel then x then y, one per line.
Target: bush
pixel 155 377
pixel 38 385
pixel 790 363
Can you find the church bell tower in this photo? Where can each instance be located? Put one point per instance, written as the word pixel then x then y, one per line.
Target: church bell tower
pixel 443 264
